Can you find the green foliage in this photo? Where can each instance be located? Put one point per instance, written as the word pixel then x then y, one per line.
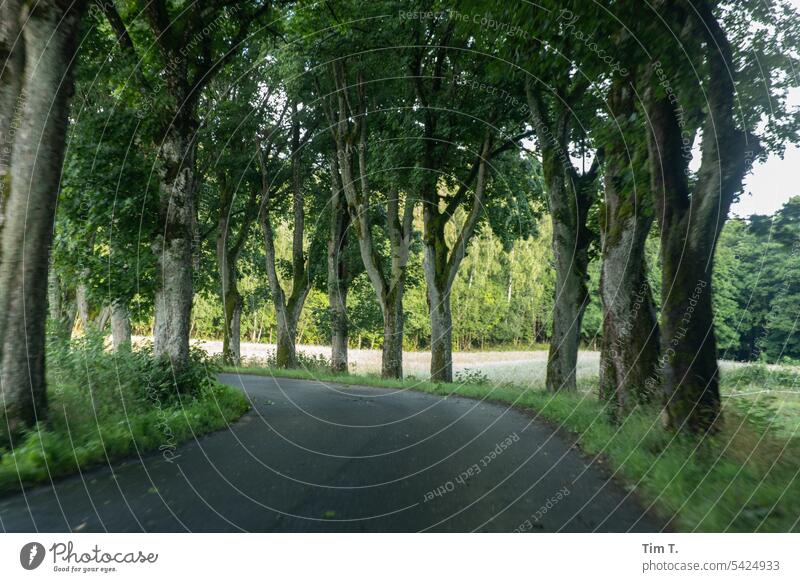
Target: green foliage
pixel 757 287
pixel 317 363
pixel 764 376
pixel 470 376
pixel 104 406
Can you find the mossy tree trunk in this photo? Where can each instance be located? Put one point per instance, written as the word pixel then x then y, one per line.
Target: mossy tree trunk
pixel 174 241
pixel 120 323
pixel 231 305
pixel 437 286
pixel 12 57
pixel 61 305
pixel 692 214
pixel 630 349
pixel 570 249
pixel 350 136
pixel 338 272
pixel 441 263
pixel 49 39
pixel 393 323
pixel 228 248
pixel 570 195
pixel 287 309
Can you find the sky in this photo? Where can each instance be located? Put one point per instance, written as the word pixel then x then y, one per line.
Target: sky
pixel 773 182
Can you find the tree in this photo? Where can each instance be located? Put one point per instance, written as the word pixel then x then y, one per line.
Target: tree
pixel 460 132
pixel 49 41
pixel 570 195
pixel 341 270
pixel 351 138
pixel 549 78
pixel 236 120
pixel 630 346
pixel 756 280
pixel 11 75
pixel 288 306
pixel 692 208
pixel 99 255
pixel 191 44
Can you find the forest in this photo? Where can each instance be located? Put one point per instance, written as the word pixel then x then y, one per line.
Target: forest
pixel 503 296
pixel 430 176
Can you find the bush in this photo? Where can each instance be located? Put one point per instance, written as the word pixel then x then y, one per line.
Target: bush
pixel 470 376
pixel 113 404
pixel 766 377
pixel 310 362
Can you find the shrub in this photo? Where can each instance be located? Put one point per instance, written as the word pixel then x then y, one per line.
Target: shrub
pixel 113 404
pixel 470 376
pixel 310 362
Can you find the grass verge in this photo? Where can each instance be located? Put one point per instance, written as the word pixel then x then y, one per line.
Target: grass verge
pixel 106 406
pixel 744 479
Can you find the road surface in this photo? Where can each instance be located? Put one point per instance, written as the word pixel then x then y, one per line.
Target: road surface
pixel 323 457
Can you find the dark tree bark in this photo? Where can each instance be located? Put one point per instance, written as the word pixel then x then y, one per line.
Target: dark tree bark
pixel 231 300
pixel 569 195
pixel 50 35
pixel 630 350
pixel 692 215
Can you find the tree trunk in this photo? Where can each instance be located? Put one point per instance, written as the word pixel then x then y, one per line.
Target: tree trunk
pixel 286 353
pixel 287 311
pixel 11 97
pixel 570 199
pixel 232 332
pixel 691 215
pixel 438 295
pixel 50 35
pixel 351 140
pixel 630 350
pixel 82 303
pixel 441 263
pixel 102 318
pixel 339 329
pixel 570 303
pixel 393 322
pixel 61 306
pixel 441 333
pixel 570 195
pixel 231 298
pixel 690 371
pixel 173 248
pixel 120 324
pixel 337 273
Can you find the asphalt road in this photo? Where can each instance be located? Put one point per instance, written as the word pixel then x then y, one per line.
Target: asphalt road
pixel 322 457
